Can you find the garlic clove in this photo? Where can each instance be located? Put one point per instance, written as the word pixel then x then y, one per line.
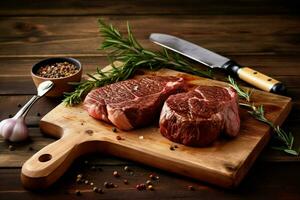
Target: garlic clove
pixel 20 131
pixel 14 130
pixel 6 127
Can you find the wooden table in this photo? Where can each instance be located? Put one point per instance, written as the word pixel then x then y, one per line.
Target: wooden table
pixel 260 33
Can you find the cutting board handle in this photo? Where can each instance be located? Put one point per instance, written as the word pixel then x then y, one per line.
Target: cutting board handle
pixel 48 164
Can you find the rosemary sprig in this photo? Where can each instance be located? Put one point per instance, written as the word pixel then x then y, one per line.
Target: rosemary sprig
pixel 286 139
pixel 133 56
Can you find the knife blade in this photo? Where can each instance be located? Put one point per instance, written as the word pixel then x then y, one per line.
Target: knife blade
pixel 214 60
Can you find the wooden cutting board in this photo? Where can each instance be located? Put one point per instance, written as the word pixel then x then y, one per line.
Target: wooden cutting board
pixel 225 163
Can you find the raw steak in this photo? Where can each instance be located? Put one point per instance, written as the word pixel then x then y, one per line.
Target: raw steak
pixel 132 103
pixel 197 118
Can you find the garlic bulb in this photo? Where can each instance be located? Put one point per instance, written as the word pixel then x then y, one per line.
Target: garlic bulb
pixel 14 130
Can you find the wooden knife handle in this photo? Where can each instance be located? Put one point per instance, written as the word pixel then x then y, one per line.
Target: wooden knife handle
pixel 256 78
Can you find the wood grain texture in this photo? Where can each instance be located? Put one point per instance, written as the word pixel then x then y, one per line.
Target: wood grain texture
pixel 224 164
pixel 147 7
pixel 229 35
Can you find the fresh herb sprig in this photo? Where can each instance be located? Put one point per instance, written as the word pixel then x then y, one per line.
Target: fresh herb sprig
pixel 286 139
pixel 133 56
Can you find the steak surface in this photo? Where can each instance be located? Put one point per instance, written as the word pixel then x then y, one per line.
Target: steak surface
pixel 132 103
pixel 197 118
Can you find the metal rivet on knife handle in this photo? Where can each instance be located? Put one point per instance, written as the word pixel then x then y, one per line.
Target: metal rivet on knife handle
pixel 260 80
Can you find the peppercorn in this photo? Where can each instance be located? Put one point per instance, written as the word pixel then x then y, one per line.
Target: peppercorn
pixel 77 192
pixel 126 168
pixel 38 114
pixel 90 132
pixel 10 116
pixel 86 182
pixel 95 189
pixel 99 190
pixel 118 137
pixel 30 148
pixel 114 129
pixel 191 188
pixel 79 176
pixel 19 105
pixel 116 174
pixel 148 182
pixel 152 176
pixel 91 183
pixel 125 181
pixel 150 187
pixel 105 184
pixel 111 185
pixel 11 148
pixel 172 148
pixel 57 70
pixel 78 180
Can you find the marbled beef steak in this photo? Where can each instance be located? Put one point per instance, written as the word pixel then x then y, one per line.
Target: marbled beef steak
pixel 197 118
pixel 132 103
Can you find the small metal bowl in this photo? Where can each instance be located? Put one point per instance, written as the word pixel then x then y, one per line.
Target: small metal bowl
pixel 61 85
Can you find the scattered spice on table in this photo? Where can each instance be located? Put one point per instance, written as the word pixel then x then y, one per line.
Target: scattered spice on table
pixel 118 137
pixel 10 116
pixel 125 181
pixel 148 182
pixel 126 168
pixel 89 132
pixel 30 148
pixel 57 70
pixel 77 192
pixel 114 129
pixel 19 105
pixel 150 187
pixel 38 114
pixel 191 188
pixel 116 174
pixel 11 148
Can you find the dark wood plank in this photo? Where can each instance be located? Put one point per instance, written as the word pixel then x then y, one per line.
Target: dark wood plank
pixel 135 7
pixel 268 64
pixel 265 181
pixel 78 36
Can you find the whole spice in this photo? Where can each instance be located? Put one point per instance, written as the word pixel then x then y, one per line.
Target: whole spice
pixel 148 182
pixel 114 129
pixel 150 187
pixel 99 190
pixel 11 148
pixel 118 137
pixel 191 188
pixel 95 189
pixel 77 192
pixel 116 174
pixel 125 181
pixel 57 70
pixel 126 168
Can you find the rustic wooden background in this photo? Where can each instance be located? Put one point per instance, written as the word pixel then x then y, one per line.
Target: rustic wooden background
pixel 264 34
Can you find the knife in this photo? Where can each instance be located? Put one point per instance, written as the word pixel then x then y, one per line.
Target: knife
pixel 215 60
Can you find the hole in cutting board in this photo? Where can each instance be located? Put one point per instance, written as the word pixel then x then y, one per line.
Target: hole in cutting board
pixel 45 157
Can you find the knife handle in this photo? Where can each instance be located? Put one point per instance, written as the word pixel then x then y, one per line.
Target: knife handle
pixel 256 78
